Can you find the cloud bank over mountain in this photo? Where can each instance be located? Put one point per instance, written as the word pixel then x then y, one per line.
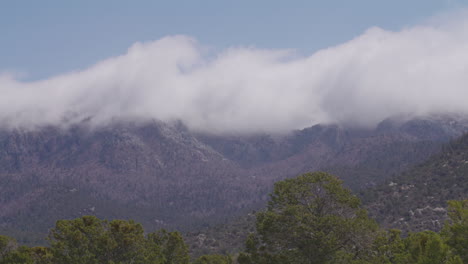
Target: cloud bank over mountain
pixel 419 70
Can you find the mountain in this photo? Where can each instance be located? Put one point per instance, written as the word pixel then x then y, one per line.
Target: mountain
pixel 164 175
pixel 151 173
pixel 417 199
pixel 413 201
pixel 361 157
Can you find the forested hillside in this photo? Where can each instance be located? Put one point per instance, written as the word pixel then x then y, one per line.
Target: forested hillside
pixel 416 199
pixel 166 176
pixel 309 219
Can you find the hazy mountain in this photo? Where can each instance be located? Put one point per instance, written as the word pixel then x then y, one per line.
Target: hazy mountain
pixel 164 175
pixel 416 200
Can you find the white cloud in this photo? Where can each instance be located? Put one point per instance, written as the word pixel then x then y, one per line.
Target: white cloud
pixel 419 70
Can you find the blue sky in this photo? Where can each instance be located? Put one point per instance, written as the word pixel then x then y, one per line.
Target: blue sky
pixel 43 38
pixel 352 62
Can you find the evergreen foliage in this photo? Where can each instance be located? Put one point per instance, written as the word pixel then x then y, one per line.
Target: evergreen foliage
pixel 313 219
pixel 214 259
pixel 456 231
pixel 90 240
pixel 309 219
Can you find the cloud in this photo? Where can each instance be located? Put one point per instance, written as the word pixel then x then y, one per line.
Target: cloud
pixel 418 70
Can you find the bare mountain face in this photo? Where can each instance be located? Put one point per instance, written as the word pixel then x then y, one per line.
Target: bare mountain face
pixel 164 175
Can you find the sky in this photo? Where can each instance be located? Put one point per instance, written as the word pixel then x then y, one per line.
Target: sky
pixel 43 38
pixel 230 66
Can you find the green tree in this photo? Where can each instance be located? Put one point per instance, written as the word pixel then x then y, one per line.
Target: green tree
pixel 456 230
pixel 128 243
pixel 213 259
pixel 428 248
pixel 89 240
pixel 79 241
pixel 389 247
pixel 256 253
pixel 12 253
pixel 173 247
pixel 425 247
pixel 7 244
pixel 311 219
pixel 21 255
pixel 41 255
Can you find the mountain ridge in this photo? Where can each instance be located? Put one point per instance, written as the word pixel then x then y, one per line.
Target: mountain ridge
pixel 164 175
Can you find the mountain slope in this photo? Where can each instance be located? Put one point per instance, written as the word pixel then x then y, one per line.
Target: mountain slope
pixel 164 175
pixel 361 157
pixel 416 200
pixel 151 172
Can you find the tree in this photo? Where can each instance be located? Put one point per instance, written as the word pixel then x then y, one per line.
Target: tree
pixel 7 244
pixel 79 241
pixel 172 245
pixel 389 247
pixel 12 253
pixel 256 253
pixel 311 219
pixel 456 230
pixel 89 240
pixel 128 243
pixel 41 255
pixel 213 259
pixel 427 247
pixel 20 255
